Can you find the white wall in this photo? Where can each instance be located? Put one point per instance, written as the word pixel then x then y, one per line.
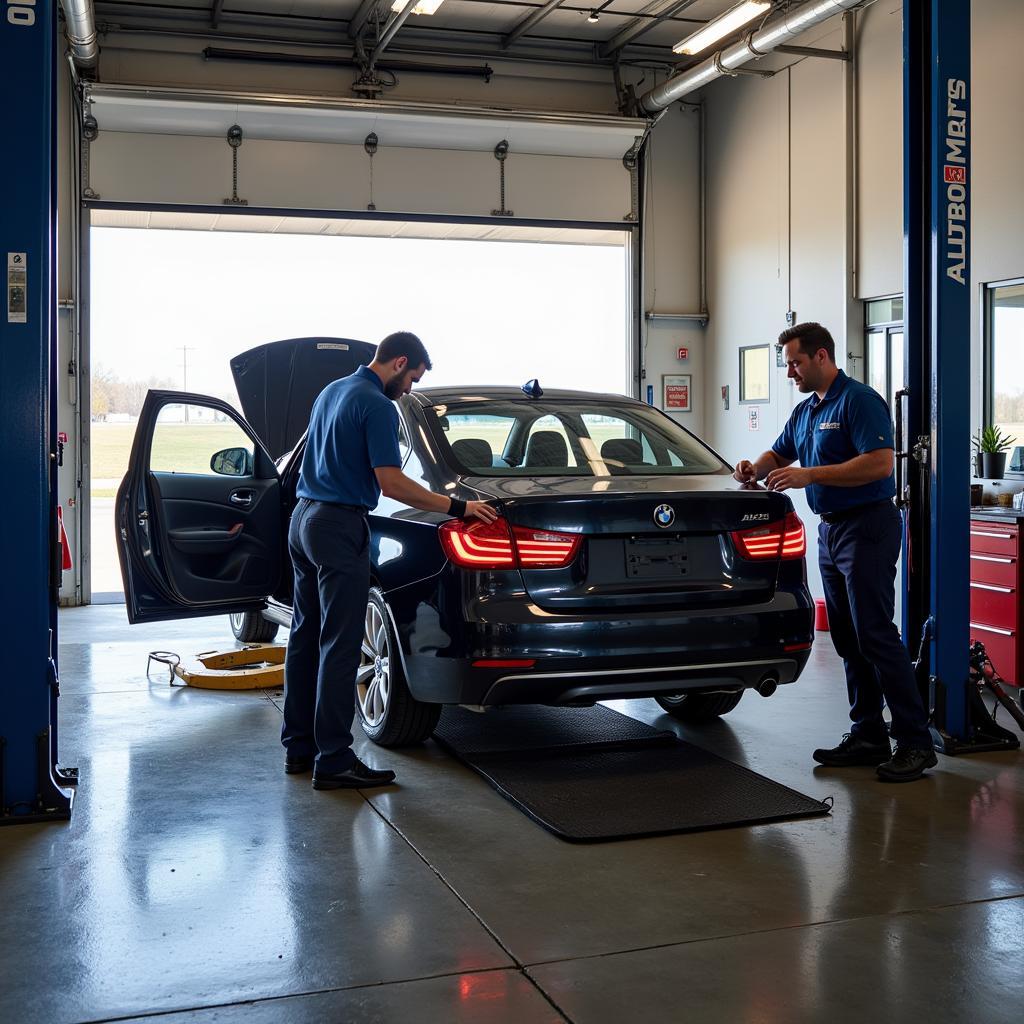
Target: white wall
pixel 748 224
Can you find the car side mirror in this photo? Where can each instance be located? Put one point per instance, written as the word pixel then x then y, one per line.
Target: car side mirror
pixel 232 462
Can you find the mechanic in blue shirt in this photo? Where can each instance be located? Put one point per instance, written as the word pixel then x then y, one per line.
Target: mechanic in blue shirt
pixel 351 457
pixel 842 437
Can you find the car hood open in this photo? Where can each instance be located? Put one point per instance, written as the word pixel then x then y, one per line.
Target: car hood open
pixel 278 383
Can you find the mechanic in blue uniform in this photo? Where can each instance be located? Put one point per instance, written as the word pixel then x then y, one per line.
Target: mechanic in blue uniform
pixel 351 457
pixel 842 437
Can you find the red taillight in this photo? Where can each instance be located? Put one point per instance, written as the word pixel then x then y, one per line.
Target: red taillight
pixel 784 539
pixel 477 545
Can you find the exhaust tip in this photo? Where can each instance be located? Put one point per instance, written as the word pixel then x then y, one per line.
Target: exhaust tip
pixel 767 685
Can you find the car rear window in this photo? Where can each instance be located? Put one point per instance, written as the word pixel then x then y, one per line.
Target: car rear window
pixel 566 437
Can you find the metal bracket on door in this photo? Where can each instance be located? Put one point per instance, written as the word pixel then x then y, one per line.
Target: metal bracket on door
pixel 234 140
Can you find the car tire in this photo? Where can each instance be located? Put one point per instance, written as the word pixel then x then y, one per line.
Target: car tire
pixel 700 707
pixel 252 627
pixel 389 714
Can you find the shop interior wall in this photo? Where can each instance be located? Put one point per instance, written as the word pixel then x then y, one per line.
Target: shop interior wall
pixel 672 201
pixel 753 215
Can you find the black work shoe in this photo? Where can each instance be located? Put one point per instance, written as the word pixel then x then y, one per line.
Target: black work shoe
pixel 853 750
pixel 907 765
pixel 294 765
pixel 359 776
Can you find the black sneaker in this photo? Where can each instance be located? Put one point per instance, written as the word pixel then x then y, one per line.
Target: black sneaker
pixel 359 776
pixel 907 764
pixel 853 750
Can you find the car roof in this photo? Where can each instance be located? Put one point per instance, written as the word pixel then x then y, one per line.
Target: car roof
pixel 463 393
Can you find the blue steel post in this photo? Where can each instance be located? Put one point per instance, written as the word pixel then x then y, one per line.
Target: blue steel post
pixel 28 694
pixel 936 184
pixel 950 177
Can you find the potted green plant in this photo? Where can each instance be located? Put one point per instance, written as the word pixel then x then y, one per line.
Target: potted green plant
pixel 976 454
pixel 993 445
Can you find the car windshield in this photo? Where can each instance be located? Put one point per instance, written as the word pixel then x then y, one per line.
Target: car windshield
pixel 566 437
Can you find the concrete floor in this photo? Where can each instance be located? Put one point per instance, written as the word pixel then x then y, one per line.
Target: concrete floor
pixel 198 882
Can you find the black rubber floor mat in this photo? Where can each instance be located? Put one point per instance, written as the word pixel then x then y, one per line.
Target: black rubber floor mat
pixel 593 775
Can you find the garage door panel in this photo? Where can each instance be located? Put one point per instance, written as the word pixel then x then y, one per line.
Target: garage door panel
pixel 134 167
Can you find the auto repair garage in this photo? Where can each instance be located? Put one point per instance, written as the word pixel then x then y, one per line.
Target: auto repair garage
pixel 627 588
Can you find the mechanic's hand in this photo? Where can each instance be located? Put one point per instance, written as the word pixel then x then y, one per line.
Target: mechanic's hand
pixel 745 472
pixel 480 510
pixel 790 476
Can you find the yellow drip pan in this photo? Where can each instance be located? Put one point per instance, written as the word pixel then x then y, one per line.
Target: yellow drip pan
pixel 253 667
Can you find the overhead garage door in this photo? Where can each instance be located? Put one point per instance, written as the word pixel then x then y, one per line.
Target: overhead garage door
pixel 164 146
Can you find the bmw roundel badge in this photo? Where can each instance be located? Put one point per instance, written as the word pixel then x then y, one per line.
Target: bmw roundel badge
pixel 664 515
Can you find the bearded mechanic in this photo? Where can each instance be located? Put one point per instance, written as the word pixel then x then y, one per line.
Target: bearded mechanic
pixel 352 456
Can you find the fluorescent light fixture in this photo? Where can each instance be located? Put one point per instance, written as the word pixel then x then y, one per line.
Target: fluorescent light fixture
pixel 724 25
pixel 423 7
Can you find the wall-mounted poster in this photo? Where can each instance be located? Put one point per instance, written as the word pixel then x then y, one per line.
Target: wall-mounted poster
pixel 676 392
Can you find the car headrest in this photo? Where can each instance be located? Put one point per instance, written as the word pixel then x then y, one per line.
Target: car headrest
pixel 623 449
pixel 472 452
pixel 547 448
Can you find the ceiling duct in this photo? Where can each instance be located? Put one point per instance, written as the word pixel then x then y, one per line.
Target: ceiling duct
pixel 755 44
pixel 80 25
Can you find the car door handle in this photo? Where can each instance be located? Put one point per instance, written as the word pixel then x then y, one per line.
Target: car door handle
pixel 243 498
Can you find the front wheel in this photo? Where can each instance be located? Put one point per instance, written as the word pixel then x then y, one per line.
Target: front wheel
pixel 252 627
pixel 388 712
pixel 700 707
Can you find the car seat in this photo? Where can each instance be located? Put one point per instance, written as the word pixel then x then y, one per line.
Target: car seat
pixel 473 452
pixel 625 450
pixel 547 448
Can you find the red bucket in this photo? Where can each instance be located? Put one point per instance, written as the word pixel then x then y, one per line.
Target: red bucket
pixel 820 615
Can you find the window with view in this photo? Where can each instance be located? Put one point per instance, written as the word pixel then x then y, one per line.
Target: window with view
pixel 566 438
pixel 1004 399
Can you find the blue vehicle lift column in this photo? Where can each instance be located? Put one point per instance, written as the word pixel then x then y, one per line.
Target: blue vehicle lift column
pixel 934 471
pixel 31 786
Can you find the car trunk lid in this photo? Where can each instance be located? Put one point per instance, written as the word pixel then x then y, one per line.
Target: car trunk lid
pixel 656 545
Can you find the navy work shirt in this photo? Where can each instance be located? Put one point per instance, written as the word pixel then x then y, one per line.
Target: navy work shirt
pixel 850 420
pixel 353 429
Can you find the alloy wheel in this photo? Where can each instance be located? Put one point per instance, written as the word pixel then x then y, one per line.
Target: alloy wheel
pixel 373 678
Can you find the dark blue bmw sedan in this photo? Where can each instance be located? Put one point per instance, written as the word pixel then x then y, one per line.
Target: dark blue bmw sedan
pixel 625 561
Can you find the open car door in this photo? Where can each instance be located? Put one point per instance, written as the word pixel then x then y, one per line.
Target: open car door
pixel 199 517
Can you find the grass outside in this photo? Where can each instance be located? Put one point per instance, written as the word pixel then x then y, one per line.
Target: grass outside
pixel 177 447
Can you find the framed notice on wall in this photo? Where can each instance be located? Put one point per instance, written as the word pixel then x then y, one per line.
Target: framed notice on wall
pixel 675 392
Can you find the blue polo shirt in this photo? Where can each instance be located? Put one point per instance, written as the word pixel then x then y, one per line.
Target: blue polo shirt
pixel 353 429
pixel 850 420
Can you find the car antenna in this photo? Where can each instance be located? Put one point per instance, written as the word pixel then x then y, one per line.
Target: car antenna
pixel 533 388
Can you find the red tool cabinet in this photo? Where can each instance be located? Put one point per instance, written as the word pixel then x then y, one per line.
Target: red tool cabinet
pixel 997 613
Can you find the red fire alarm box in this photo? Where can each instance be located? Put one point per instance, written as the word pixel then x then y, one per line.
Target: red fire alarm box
pixel 683 353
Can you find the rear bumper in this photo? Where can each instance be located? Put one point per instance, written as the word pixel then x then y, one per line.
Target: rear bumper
pixel 582 660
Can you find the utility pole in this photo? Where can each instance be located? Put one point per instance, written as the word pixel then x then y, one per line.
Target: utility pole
pixel 185 349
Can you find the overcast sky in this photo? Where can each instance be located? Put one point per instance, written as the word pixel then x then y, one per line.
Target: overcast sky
pixel 488 312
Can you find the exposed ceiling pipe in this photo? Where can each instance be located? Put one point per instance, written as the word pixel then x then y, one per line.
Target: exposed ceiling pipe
pixel 80 25
pixel 755 44
pixel 393 25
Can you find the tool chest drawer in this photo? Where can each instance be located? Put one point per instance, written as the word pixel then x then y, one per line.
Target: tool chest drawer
pixel 997 613
pixel 1001 645
pixel 993 538
pixel 994 604
pixel 998 569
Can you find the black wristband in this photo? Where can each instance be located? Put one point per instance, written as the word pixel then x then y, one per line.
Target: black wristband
pixel 456 507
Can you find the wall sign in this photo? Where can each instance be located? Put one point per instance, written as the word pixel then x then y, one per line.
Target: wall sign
pixel 754 417
pixel 17 288
pixel 676 392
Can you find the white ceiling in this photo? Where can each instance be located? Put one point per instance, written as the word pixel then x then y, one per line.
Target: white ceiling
pixel 471 24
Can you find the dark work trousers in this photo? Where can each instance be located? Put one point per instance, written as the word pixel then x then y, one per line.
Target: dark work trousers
pixel 857 557
pixel 330 551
